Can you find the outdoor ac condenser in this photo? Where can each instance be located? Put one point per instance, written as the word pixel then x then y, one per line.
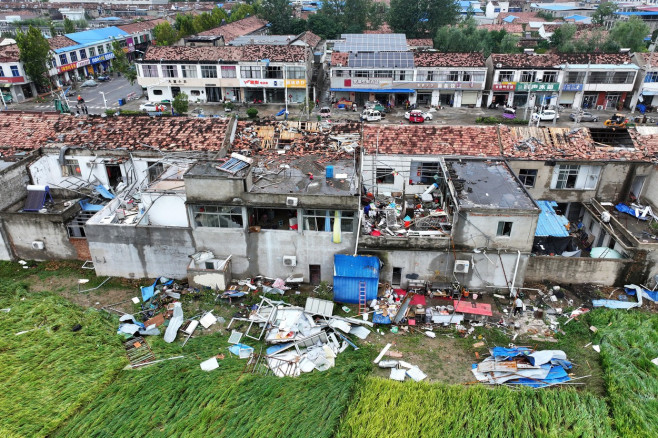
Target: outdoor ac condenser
pixel 289 261
pixel 461 266
pixel 291 202
pixel 38 244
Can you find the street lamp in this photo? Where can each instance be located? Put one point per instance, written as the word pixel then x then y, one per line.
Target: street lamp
pixel 104 101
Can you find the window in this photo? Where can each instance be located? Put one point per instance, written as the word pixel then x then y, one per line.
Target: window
pixel 362 73
pixel 196 93
pixel 574 176
pixel 157 92
pixel 217 216
pixel 189 71
pixel 323 220
pixel 251 72
pixel 150 71
pixel 423 173
pixel 62 59
pixel 528 177
pixel 528 76
pixel 506 76
pixel 72 168
pixel 74 56
pixel 466 76
pixel 598 77
pixel 228 71
pixel 383 74
pixel 14 71
pixel 83 54
pixel 2 72
pixel 504 229
pixel 385 175
pixel 108 48
pixel 403 75
pixel 576 77
pixel 453 76
pixel 341 73
pixel 651 77
pixel 169 71
pixel 623 77
pixel 208 71
pixel 92 52
pixel 100 50
pixel 155 169
pixel 296 73
pixel 274 72
pixel 550 76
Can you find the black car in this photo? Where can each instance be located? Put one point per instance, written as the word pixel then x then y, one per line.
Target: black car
pixel 584 117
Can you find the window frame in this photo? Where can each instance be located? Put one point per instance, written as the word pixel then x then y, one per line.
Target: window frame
pixel 152 70
pixel 228 68
pixel 504 229
pixel 217 216
pixel 15 71
pixel 72 167
pixel 525 174
pixel 209 72
pixel 506 76
pixel 384 175
pixel 311 218
pixel 169 71
pixel 189 71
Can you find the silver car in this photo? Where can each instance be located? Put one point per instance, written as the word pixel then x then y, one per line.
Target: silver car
pixel 584 117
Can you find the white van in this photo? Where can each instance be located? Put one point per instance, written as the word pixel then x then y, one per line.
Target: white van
pixel 371 115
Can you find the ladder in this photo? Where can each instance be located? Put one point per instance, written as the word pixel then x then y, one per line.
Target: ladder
pixel 363 302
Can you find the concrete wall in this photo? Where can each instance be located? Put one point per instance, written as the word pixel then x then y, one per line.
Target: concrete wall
pixel 399 163
pixel 651 187
pixel 568 270
pixel 477 229
pixel 140 252
pixel 25 228
pixel 13 182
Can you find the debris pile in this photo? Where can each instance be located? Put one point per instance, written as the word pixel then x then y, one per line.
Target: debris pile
pixel 523 366
pixel 399 368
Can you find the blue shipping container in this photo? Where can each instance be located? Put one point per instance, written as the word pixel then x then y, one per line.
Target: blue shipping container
pixel 349 272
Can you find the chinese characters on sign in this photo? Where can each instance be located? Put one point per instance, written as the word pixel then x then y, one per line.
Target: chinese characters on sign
pixel 572 87
pixel 537 86
pixel 504 86
pixel 296 83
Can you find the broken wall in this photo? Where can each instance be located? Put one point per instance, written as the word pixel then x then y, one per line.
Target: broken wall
pixel 570 270
pixel 13 187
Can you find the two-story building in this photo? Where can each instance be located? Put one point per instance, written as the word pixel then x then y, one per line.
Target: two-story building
pixel 646 83
pixel 13 79
pixel 141 33
pixel 252 73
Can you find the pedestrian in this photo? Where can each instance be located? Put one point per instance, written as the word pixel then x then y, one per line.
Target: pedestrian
pixel 317 102
pixel 80 99
pixel 86 110
pixel 518 306
pixel 77 109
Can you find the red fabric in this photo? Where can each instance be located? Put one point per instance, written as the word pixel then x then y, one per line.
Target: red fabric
pixel 417 299
pixel 473 308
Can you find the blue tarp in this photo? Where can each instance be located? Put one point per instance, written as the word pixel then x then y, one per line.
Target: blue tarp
pixel 502 353
pixel 97 35
pixel 628 210
pixel 349 272
pixel 104 192
pixel 280 113
pixel 149 291
pixel 86 206
pixel 614 304
pixel 556 374
pixel 379 318
pixel 510 18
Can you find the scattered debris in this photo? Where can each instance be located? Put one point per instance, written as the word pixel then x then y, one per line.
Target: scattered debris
pixel 210 364
pixel 138 351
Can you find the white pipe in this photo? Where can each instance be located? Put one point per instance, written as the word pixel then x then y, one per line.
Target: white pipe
pixel 516 269
pixel 358 231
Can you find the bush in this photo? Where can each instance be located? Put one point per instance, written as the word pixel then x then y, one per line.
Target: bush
pixel 252 113
pixel 110 112
pixel 496 120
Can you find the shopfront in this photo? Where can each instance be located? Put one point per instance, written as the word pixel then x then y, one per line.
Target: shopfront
pixel 536 93
pixel 271 90
pixel 569 95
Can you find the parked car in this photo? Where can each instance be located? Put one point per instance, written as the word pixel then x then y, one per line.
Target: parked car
pixel 545 115
pixel 416 114
pixel 104 78
pixel 7 97
pixel 89 83
pixel 152 107
pixel 325 111
pixel 584 117
pixel 370 115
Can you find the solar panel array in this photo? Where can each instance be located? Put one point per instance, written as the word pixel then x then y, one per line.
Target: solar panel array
pixel 393 42
pixel 382 59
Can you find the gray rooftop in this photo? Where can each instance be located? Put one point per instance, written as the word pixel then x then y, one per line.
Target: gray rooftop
pixel 487 184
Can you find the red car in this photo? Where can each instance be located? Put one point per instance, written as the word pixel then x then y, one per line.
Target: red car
pixel 416 116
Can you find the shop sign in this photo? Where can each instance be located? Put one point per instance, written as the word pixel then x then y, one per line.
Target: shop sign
pixel 537 86
pixel 572 87
pixel 367 82
pixel 296 83
pixel 11 79
pixel 504 86
pixel 67 67
pixel 103 57
pixel 274 83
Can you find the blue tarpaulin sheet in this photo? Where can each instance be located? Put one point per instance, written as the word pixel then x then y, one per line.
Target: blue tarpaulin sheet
pixel 104 192
pixel 379 318
pixel 614 304
pixel 86 206
pixel 149 291
pixel 282 112
pixel 556 374
pixel 502 352
pixel 628 210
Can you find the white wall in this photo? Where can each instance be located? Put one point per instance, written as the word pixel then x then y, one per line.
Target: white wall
pixel 165 209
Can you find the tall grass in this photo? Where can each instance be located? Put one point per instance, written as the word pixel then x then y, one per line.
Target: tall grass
pixel 49 373
pixel 629 340
pixel 385 408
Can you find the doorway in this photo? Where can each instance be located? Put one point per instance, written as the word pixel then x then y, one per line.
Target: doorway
pixel 636 187
pixel 113 174
pixel 396 279
pixel 314 273
pixel 175 91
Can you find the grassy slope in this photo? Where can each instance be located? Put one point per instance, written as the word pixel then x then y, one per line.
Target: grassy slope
pixel 409 409
pixel 629 340
pixel 51 372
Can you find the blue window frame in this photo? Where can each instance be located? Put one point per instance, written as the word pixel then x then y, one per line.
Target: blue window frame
pixel 62 59
pixel 74 57
pixel 83 54
pixel 14 71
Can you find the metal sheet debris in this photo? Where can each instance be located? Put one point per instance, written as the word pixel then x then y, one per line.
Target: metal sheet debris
pixel 210 364
pixel 207 320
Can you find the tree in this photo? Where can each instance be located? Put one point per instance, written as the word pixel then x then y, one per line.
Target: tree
pixel 562 38
pixel 184 24
pixel 418 19
pixel 630 34
pixel 165 34
pixel 204 21
pixel 279 14
pixel 121 63
pixel 603 12
pixel 219 15
pixel 34 50
pixel 323 26
pixel 240 12
pixel 69 26
pixel 181 103
pixel 51 27
pixel 468 38
pixel 252 113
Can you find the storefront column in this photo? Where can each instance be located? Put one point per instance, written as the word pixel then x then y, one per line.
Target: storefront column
pixel 490 98
pixel 478 104
pixel 457 103
pixel 577 100
pixel 264 96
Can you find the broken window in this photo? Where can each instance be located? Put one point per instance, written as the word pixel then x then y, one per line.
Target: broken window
pixel 550 76
pixel 217 216
pixel 76 228
pixel 528 76
pixel 504 229
pixel 385 175
pixel 453 76
pixel 528 177
pixel 574 176
pixel 274 72
pixel 72 168
pixel 155 170
pixel 403 75
pixel 576 77
pixel 506 76
pixel 323 220
pixel 273 218
pixel 598 77
pixel 423 173
pixel 567 176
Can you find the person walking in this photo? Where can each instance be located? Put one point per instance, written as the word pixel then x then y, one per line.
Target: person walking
pixel 518 306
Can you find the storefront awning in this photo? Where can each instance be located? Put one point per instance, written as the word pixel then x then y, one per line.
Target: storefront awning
pixel 649 93
pixel 374 90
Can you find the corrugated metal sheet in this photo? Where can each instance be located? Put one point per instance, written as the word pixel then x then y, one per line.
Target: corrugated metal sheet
pixel 349 271
pixel 549 222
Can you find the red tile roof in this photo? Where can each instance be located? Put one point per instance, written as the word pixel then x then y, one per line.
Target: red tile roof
pixel 9 53
pixel 509 28
pixel 60 41
pixel 548 60
pixel 309 38
pixel 141 26
pixel 22 131
pixel 522 17
pixel 228 53
pixel 420 42
pixel 238 28
pixel 481 141
pixel 440 59
pixel 340 58
pixel 648 57
pixel 383 29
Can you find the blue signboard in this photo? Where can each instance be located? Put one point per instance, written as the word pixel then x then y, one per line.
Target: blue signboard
pixel 572 87
pixel 101 58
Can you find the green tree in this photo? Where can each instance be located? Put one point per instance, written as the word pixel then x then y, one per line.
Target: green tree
pixel 165 34
pixel 603 12
pixel 242 11
pixel 34 49
pixel 180 104
pixel 323 26
pixel 204 21
pixel 121 63
pixel 252 113
pixel 219 15
pixel 51 27
pixel 509 44
pixel 630 34
pixel 184 24
pixel 377 14
pixel 69 26
pixel 279 14
pixel 418 19
pixel 562 38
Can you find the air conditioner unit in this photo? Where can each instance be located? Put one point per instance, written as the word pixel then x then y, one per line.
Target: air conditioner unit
pixel 291 202
pixel 38 244
pixel 461 266
pixel 499 65
pixel 289 261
